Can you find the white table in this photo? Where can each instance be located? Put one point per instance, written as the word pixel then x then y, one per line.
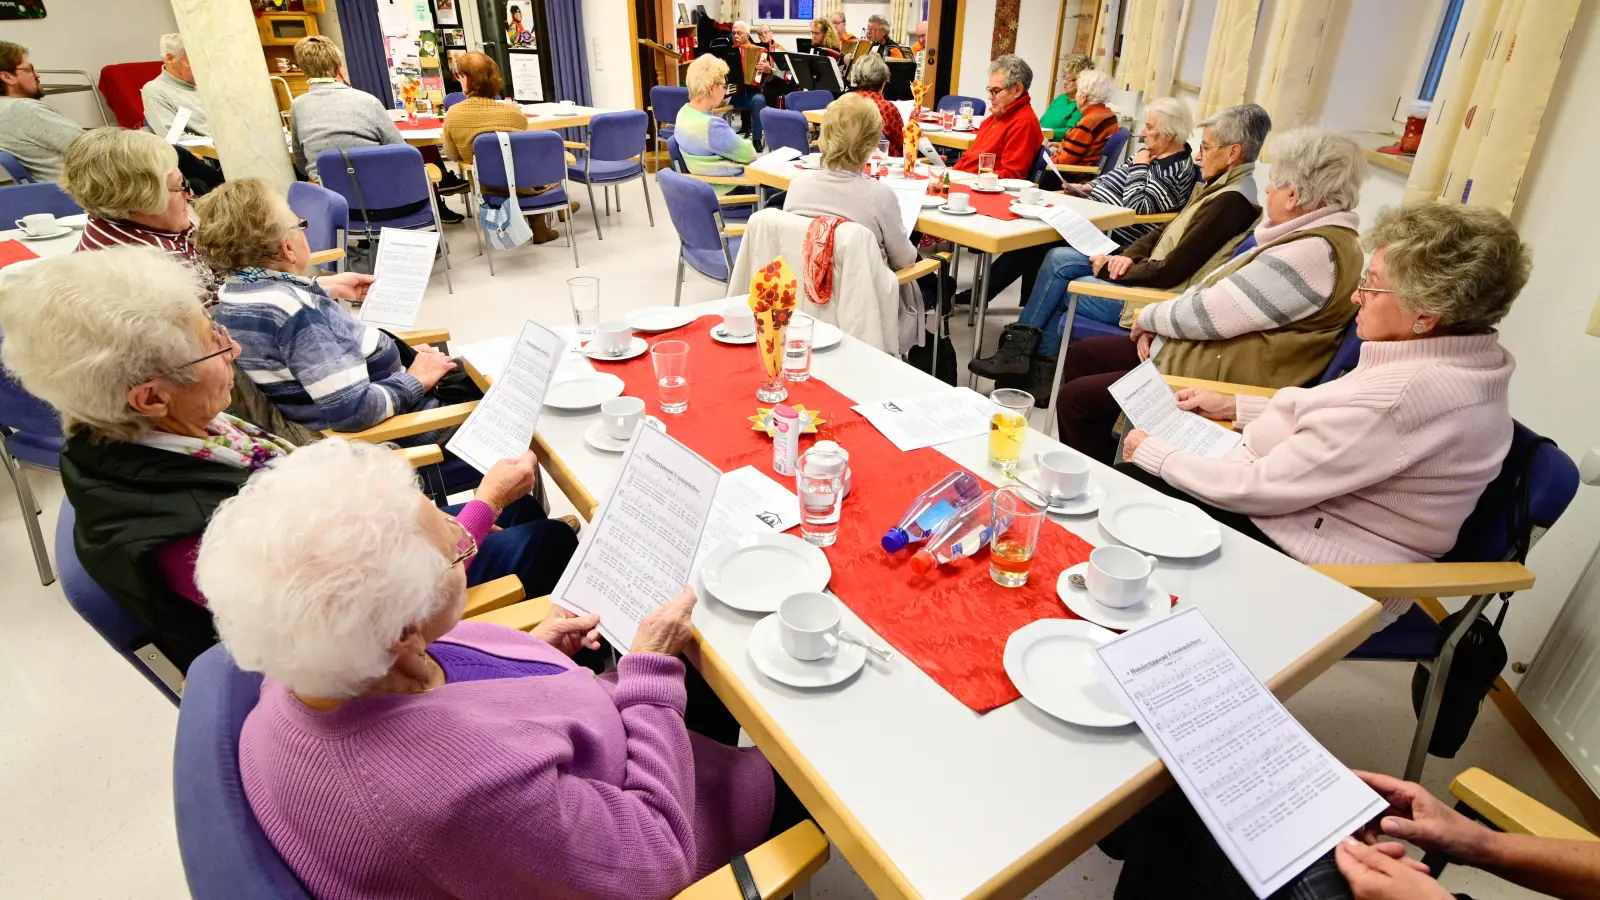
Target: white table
pixel 50 247
pixel 924 797
pixel 955 140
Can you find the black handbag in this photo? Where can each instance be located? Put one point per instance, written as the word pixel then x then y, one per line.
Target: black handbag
pixel 941 355
pixel 454 387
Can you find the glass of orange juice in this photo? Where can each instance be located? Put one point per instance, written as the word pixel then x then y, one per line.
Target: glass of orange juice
pixel 1018 514
pixel 1008 426
pixel 986 163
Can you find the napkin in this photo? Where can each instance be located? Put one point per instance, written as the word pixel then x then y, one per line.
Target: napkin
pixel 773 293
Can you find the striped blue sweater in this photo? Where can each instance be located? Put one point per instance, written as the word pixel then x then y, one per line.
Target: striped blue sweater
pixel 1161 186
pixel 320 365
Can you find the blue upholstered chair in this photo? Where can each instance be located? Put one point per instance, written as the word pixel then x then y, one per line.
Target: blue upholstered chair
pixel 18 200
pixel 805 101
pixel 615 156
pixel 952 102
pixel 736 207
pixel 327 217
pixel 705 243
pixel 30 434
pixel 539 158
pixel 786 128
pixel 665 101
pixel 14 169
pixel 384 187
pixel 452 98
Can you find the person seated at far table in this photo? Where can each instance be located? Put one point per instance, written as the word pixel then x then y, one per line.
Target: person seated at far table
pixel 509 770
pixel 482 113
pixel 1384 464
pixel 748 98
pixel 332 115
pixel 1011 130
pixel 173 90
pixel 33 131
pixel 1063 111
pixel 869 75
pixel 709 145
pixel 1272 317
pixel 1086 141
pixel 920 37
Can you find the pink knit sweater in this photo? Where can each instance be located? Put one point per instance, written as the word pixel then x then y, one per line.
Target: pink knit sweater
pixel 555 786
pixel 1382 465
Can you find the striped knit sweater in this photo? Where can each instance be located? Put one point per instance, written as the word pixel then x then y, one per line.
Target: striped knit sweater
pixel 1380 466
pixel 1280 285
pixel 320 365
pixel 710 146
pixel 1159 186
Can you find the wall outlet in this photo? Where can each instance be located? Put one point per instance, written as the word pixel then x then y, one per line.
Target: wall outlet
pixel 596 58
pixel 1589 467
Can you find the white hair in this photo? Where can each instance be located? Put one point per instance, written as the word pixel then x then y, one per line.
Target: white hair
pixel 1094 86
pixel 739 22
pixel 319 564
pixel 1325 169
pixel 1173 118
pixel 172 45
pixel 1246 125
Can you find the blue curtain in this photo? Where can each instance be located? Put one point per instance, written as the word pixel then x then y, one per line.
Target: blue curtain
pixel 568 60
pixel 365 56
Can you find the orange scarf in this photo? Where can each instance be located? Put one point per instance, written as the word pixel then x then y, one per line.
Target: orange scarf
pixel 817 258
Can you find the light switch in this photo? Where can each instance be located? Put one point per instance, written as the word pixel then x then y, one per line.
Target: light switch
pixel 1589 468
pixel 599 63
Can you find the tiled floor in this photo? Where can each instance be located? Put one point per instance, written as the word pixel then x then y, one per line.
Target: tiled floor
pixel 85 744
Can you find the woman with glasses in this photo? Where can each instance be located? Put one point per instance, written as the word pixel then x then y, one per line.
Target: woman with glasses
pixel 709 144
pixel 1384 464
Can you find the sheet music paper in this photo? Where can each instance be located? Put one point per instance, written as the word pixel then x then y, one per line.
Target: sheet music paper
pixel 399 277
pixel 748 501
pixel 908 192
pixel 783 154
pixel 641 548
pixel 1274 798
pixel 1144 395
pixel 502 425
pixel 928 419
pixel 1078 231
pixel 180 121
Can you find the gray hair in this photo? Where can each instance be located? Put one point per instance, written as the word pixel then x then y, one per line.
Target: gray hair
pixel 115 173
pixel 1016 70
pixel 738 22
pixel 172 45
pixel 879 21
pixel 870 72
pixel 1246 125
pixel 82 329
pixel 1176 121
pixel 1325 169
pixel 1095 86
pixel 312 586
pixel 1464 264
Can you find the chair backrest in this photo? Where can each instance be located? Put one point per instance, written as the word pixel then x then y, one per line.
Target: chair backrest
pixel 866 296
pixel 786 128
pixel 326 213
pixel 615 136
pixel 390 175
pixel 14 169
pixel 953 103
pixel 1112 154
pixel 675 154
pixel 18 200
pixel 119 627
pixel 1552 481
pixel 802 101
pixel 1344 358
pixel 121 84
pixel 665 101
pixel 539 158
pixel 693 206
pixel 452 98
pixel 225 853
pixel 24 413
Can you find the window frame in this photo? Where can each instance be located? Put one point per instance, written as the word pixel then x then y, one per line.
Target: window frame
pixel 1430 49
pixel 786 24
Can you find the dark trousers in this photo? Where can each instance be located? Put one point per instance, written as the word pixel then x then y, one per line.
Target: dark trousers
pixel 203 177
pixel 530 546
pixel 1085 410
pixel 1237 521
pixel 1014 264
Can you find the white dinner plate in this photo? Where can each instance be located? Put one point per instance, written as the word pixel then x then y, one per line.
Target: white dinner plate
pixel 969 211
pixel 756 571
pixel 1015 184
pixel 585 392
pixel 660 318
pixel 60 231
pixel 824 336
pixel 1156 605
pixel 1051 662
pixel 636 347
pixel 1081 505
pixel 768 656
pixel 930 200
pixel 1160 525
pixel 721 336
pixel 930 128
pixel 597 437
pixel 1028 210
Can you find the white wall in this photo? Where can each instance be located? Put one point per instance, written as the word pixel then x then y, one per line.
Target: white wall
pixel 89 34
pixel 605 25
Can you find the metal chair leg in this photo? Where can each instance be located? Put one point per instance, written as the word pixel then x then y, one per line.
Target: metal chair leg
pixel 938 321
pixel 1061 358
pixel 444 246
pixel 572 239
pixel 616 189
pixel 606 194
pixel 30 515
pixel 595 210
pixel 488 252
pixel 645 184
pixel 1438 676
pixel 677 292
pixel 979 310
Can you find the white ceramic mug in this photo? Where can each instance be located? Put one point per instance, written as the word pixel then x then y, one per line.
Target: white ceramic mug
pixel 738 320
pixel 1031 196
pixel 566 105
pixel 37 224
pixel 612 338
pixel 957 201
pixel 1062 473
pixel 989 181
pixel 619 415
pixel 808 626
pixel 1117 576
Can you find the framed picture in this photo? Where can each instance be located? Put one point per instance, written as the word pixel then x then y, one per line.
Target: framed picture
pixel 445 12
pixel 21 9
pixel 453 37
pixel 519 26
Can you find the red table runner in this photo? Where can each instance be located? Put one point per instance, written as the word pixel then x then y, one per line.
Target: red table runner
pixel 423 123
pixel 994 205
pixel 14 251
pixel 952 624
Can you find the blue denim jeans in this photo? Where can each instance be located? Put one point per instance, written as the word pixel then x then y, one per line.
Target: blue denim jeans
pixel 530 546
pixel 755 103
pixel 1047 305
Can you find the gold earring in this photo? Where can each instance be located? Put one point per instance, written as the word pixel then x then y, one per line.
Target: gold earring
pixel 1416 328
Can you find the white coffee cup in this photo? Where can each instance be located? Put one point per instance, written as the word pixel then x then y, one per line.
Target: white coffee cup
pixel 989 181
pixel 1031 196
pixel 808 626
pixel 1062 473
pixel 566 105
pixel 738 320
pixel 619 415
pixel 37 224
pixel 957 201
pixel 612 338
pixel 1117 576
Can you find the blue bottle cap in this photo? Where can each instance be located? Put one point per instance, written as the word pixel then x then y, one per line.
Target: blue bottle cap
pixel 895 540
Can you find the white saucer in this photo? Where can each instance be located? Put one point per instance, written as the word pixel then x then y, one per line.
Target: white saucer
pixel 1081 505
pixel 1028 210
pixel 660 318
pixel 1015 184
pixel 595 436
pixel 930 128
pixel 824 336
pixel 1156 605
pixel 767 655
pixel 756 571
pixel 929 200
pixel 969 211
pixel 721 336
pixel 636 347
pixel 586 392
pixel 1160 525
pixel 1052 663
pixel 999 189
pixel 61 231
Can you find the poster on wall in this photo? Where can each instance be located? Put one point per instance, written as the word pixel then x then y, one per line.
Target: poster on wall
pixel 21 9
pixel 445 11
pixel 526 83
pixel 453 37
pixel 519 26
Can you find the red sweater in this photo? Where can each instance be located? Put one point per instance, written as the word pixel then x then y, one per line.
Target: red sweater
pixel 1013 136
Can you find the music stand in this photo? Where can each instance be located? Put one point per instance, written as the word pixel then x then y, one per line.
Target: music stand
pixel 825 72
pixel 901 73
pixel 802 45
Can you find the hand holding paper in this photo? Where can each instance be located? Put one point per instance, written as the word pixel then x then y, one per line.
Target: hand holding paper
pixel 400 277
pixel 1148 402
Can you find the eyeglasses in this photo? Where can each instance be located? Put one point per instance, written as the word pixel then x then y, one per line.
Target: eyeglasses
pixel 996 91
pixel 182 188
pixel 221 331
pixel 25 70
pixel 466 544
pixel 301 224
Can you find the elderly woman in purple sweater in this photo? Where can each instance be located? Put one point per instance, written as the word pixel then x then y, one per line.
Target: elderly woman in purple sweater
pixel 396 751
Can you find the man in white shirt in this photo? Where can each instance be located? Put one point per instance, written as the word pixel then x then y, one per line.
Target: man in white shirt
pixel 33 131
pixel 173 90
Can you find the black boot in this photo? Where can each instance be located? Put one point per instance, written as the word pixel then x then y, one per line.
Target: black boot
pixel 1014 354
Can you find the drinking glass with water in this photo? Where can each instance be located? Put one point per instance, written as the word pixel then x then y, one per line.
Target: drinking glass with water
pixel 671 361
pixel 819 480
pixel 585 293
pixel 797 348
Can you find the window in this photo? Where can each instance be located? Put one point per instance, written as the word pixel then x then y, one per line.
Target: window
pixel 778 10
pixel 1433 68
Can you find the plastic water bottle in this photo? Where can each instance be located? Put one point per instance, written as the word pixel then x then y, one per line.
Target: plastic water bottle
pixel 963 534
pixel 931 508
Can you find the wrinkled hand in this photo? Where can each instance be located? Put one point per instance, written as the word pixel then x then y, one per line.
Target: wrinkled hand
pixel 1419 817
pixel 567 632
pixel 1142 158
pixel 350 286
pixel 1212 405
pixel 1143 342
pixel 1375 874
pixel 1117 266
pixel 667 630
pixel 430 366
pixel 1131 442
pixel 508 480
pixel 764 66
pixel 1098 262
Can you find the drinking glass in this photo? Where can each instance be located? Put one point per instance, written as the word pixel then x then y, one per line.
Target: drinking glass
pixel 947 119
pixel 1018 513
pixel 966 109
pixel 585 293
pixel 1008 425
pixel 819 480
pixel 985 163
pixel 797 348
pixel 671 360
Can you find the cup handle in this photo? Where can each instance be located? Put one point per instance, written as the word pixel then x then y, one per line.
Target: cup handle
pixel 19 225
pixel 833 645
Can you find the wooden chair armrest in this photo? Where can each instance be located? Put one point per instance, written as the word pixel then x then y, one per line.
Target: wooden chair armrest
pixel 320 257
pixel 778 867
pixel 1077 170
pixel 1221 387
pixel 721 109
pixel 407 424
pixel 435 174
pixel 1121 292
pixel 1380 580
pixel 522 615
pixel 573 489
pixel 420 336
pixel 575 145
pixel 492 595
pixel 428 455
pixel 1512 811
pixel 738 199
pixel 918 269
pixel 736 180
pixel 734 230
pixel 1154 218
